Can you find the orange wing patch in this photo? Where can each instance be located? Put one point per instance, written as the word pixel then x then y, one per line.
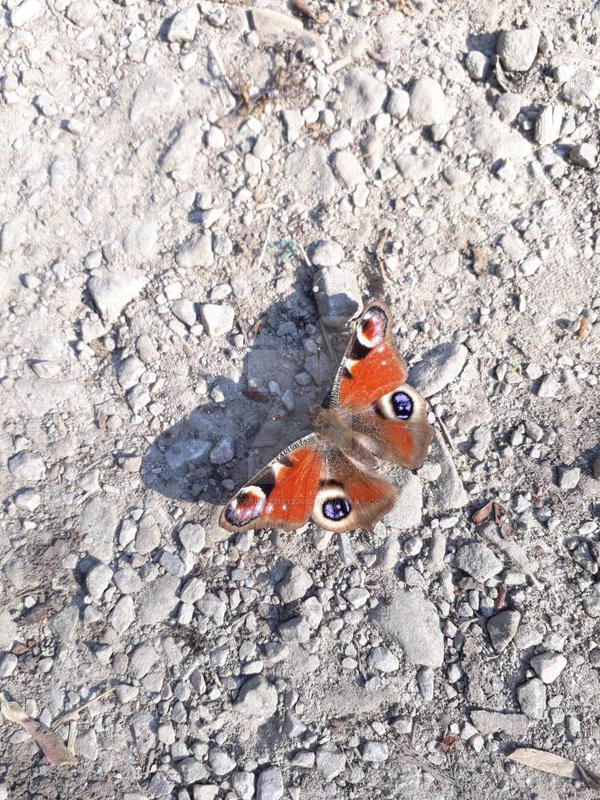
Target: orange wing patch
pixel 279 496
pixel 365 380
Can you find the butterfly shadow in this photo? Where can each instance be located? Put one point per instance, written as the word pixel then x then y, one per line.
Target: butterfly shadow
pixel 247 420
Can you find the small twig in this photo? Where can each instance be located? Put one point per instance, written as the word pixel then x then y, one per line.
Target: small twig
pixel 514 552
pixel 304 256
pixel 72 736
pixel 74 712
pixel 445 432
pixel 264 247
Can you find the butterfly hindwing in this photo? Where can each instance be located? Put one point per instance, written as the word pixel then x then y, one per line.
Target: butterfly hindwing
pixel 348 497
pixel 395 427
pixel 282 494
pixel 388 414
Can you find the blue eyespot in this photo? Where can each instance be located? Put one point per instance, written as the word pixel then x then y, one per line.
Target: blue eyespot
pixel 403 405
pixel 336 508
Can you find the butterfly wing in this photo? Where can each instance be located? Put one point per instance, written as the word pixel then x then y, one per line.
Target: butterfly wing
pixel 348 497
pixel 282 494
pixel 388 415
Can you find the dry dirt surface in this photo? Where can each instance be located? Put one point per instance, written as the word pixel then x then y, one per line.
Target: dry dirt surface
pixel 195 201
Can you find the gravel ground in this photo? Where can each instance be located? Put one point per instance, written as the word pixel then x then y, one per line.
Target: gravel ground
pixel 195 201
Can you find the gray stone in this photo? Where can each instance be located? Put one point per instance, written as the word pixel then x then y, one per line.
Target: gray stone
pixel 482 437
pixel 97 580
pixel 8 630
pixel 411 620
pixel 185 312
pixel 495 141
pixel 568 477
pixel 220 762
pixel 183 25
pixel 375 752
pixel 490 722
pixel 98 526
pixel 508 106
pixel 548 124
pixel 180 454
pixel 112 291
pixel 157 600
pixel 383 660
pixel 196 251
pixel 140 239
pixel 131 370
pixel 425 683
pixel 141 661
pixel 205 791
pixel 582 89
pixel 362 96
pixel 548 665
pixel 293 122
pixel 548 387
pixel 294 585
pixel 532 698
pixel 243 784
pixel 86 745
pixel 330 761
pixel 439 367
pixel 427 102
pixel 476 64
pixel 446 264
pixel 147 537
pixel 327 254
pixel 8 664
pixel 257 698
pixel 192 770
pixel 348 169
pixel 517 49
pixel 12 236
pixel 502 628
pixel 82 12
pixel 477 560
pixel 308 171
pixel 584 155
pixel 273 26
pixel 156 93
pixel 417 167
pixel 212 606
pixel 193 537
pixel 192 590
pixel 127 580
pixel 122 614
pixel 27 467
pixel 25 12
pixel 138 397
pixel 591 602
pixel 223 452
pixel 269 784
pixel 217 319
pixel 408 510
pixel 338 295
pixel 398 103
pixel 447 491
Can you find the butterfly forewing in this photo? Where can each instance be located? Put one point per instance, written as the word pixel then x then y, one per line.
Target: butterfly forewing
pixel 282 494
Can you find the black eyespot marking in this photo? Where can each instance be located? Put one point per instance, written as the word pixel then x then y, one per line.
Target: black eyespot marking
pixel 347 374
pixel 285 461
pixel 403 405
pixel 336 508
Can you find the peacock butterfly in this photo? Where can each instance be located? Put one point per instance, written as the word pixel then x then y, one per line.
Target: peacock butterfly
pixel 329 475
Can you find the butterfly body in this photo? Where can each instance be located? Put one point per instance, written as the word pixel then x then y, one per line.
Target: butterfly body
pixel 373 415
